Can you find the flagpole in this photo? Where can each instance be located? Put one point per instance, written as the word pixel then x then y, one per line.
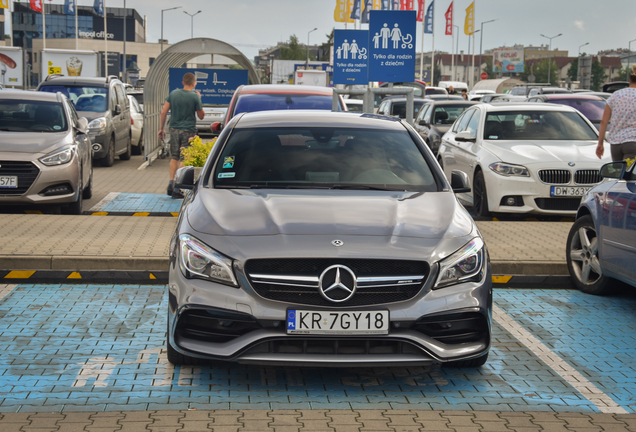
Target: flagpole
pixel 422 52
pixel 105 40
pixel 472 70
pixel 452 40
pixel 43 26
pixel 433 45
pixel 76 27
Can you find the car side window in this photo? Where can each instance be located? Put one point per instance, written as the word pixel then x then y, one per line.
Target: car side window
pixel 458 121
pixel 112 97
pixel 423 112
pixel 473 124
pixel 464 120
pixel 121 97
pixel 72 113
pixel 382 108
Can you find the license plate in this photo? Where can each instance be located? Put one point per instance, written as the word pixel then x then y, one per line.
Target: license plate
pixel 568 191
pixel 8 181
pixel 341 323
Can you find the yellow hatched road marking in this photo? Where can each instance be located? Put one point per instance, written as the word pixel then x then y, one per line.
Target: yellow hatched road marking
pixel 141 214
pixel 501 279
pixel 74 275
pixel 152 276
pixel 99 214
pixel 175 214
pixel 19 274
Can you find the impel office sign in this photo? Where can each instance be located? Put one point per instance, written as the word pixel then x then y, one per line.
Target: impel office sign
pixel 392 46
pixel 351 57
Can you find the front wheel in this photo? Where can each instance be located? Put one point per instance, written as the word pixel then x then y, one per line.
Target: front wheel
pixel 128 152
pixel 109 159
pixel 480 196
pixel 582 258
pixel 87 192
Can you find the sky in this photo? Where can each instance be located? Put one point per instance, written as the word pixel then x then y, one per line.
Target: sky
pixel 265 22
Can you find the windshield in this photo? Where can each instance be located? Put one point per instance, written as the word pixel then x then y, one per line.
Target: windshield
pixel 431 91
pixel 592 109
pixel 537 125
pixel 323 158
pixel 269 102
pixel 399 108
pixel 84 98
pixel 31 116
pixel 447 114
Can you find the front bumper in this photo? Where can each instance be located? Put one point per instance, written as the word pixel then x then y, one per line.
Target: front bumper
pixel 100 142
pixel 254 329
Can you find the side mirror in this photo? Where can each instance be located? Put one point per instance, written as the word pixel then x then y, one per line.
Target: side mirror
pixel 216 127
pixel 460 183
pixel 82 125
pixel 117 109
pixel 184 178
pixel 465 136
pixel 423 122
pixel 614 170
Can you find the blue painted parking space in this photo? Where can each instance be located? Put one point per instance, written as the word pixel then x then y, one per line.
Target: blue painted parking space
pixel 118 202
pixel 102 347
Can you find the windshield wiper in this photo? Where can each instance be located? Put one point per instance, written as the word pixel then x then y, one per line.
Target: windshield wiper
pixel 366 187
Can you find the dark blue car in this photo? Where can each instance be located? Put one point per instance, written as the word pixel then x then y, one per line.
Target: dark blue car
pixel 601 246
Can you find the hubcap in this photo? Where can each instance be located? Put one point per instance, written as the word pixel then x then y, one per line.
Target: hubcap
pixel 584 256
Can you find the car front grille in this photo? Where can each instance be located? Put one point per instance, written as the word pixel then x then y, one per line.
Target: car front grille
pixel 555 176
pixel 26 172
pixel 330 346
pixel 558 204
pixel 296 280
pixel 587 177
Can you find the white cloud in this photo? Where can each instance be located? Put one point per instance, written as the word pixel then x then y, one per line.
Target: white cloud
pixel 580 25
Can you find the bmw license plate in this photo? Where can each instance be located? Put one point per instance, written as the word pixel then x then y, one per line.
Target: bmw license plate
pixel 568 191
pixel 340 323
pixel 8 181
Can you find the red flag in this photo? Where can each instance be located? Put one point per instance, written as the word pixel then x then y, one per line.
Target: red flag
pixel 420 10
pixel 409 4
pixel 36 5
pixel 449 20
pixel 403 4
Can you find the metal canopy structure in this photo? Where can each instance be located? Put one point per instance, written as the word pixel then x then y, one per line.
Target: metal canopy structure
pixel 156 86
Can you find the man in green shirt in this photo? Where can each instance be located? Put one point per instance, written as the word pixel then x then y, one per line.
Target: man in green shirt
pixel 185 104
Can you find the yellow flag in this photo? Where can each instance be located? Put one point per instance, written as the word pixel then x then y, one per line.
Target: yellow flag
pixel 377 4
pixel 4 4
pixel 342 11
pixel 469 24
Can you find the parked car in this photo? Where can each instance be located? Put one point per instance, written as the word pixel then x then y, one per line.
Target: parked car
pixel 395 106
pixel 212 114
pixel 611 87
pixel 476 95
pixel 591 106
pixel 547 90
pixel 45 151
pixel 138 94
pixel 354 105
pixel 601 245
pixel 104 103
pixel 440 97
pixel 136 126
pixel 304 216
pixel 436 117
pixel 268 97
pixel 523 158
pixel 536 89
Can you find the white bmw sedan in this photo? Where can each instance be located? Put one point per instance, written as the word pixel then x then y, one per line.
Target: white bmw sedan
pixel 523 158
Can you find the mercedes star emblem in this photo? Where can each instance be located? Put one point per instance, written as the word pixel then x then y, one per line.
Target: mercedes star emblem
pixel 337 283
pixel 337 243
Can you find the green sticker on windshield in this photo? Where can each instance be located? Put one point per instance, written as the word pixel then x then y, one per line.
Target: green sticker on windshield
pixel 228 162
pixel 226 175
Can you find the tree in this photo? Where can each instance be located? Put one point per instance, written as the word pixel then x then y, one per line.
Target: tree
pixel 294 51
pixel 326 47
pixel 573 72
pixel 623 74
pixel 540 72
pixel 437 75
pixel 488 68
pixel 598 76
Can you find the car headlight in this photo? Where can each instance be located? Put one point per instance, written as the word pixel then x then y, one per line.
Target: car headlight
pixel 59 157
pixel 97 124
pixel 199 261
pixel 465 265
pixel 505 169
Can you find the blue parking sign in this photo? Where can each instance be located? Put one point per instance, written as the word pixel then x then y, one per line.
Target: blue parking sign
pixel 216 86
pixel 392 46
pixel 351 57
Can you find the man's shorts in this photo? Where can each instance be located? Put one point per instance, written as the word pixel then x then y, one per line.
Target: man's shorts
pixel 178 140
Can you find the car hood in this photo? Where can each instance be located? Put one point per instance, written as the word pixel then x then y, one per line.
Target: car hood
pixel 32 142
pixel 91 115
pixel 527 152
pixel 225 212
pixel 442 129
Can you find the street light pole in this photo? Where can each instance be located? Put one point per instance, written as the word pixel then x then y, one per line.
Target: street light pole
pixel 456 53
pixel 481 38
pixel 162 10
pixel 629 47
pixel 549 50
pixel 578 68
pixel 308 33
pixel 192 22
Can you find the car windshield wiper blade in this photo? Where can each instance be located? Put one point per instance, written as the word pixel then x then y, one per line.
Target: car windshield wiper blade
pixel 367 187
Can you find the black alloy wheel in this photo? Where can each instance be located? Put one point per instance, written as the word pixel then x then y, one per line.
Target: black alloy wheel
pixel 109 159
pixel 87 192
pixel 480 196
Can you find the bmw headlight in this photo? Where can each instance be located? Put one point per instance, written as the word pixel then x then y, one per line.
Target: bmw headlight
pixel 199 261
pixel 465 265
pixel 505 169
pixel 59 157
pixel 97 125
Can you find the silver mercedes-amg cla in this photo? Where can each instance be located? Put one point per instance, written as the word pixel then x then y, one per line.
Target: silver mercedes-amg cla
pixel 326 239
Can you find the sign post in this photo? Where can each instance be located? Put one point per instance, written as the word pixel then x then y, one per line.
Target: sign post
pixel 392 46
pixel 351 57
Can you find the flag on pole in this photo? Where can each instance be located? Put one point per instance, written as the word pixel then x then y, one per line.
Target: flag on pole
pixel 385 5
pixel 69 7
pixel 420 10
pixel 368 6
pixel 355 12
pixel 340 13
pixel 4 4
pixel 402 4
pixel 428 19
pixel 36 5
pixel 469 24
pixel 395 4
pixel 408 4
pixel 449 20
pixel 98 5
pixel 377 4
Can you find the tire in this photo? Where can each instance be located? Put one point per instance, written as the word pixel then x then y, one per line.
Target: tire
pixel 582 258
pixel 139 148
pixel 109 159
pixel 74 208
pixel 87 192
pixel 480 196
pixel 128 152
pixel 476 362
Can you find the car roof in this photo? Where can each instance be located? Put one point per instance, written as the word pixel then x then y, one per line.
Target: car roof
pixel 316 118
pixel 399 98
pixel 453 102
pixel 526 106
pixel 94 81
pixel 29 95
pixel 284 89
pixel 576 96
